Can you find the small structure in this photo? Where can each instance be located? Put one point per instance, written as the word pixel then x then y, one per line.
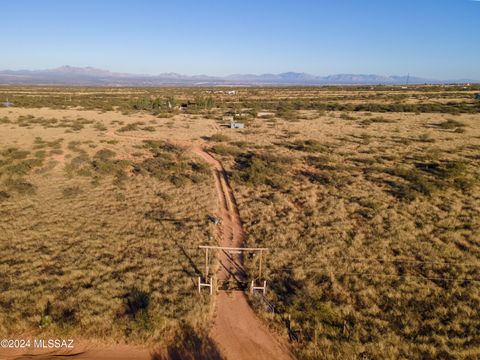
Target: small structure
pixel 207 279
pixel 214 220
pixel 477 96
pixel 236 125
pixel 232 124
pixel 7 103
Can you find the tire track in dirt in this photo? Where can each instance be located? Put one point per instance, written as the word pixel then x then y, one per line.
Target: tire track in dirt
pixel 239 334
pixel 236 330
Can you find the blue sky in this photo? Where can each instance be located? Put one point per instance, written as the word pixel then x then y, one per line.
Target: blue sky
pixel 430 38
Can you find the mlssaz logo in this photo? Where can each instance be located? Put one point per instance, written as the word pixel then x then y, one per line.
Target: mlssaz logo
pixel 53 344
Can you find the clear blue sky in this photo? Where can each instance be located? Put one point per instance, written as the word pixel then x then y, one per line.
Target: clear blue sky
pixel 429 38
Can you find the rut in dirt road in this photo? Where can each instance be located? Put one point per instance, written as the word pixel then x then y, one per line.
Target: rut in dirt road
pixel 237 331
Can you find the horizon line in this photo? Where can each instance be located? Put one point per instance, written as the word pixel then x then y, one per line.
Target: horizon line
pixel 231 74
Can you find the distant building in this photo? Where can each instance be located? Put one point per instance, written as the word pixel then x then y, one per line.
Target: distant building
pixel 231 92
pixel 231 122
pixel 236 125
pixel 477 96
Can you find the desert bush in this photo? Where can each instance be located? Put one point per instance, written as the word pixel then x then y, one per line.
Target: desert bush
pixel 450 124
pixel 77 162
pixel 345 116
pixel 170 164
pixel 131 127
pixel 225 150
pixel 4 196
pixel 41 154
pixel 219 137
pixel 260 169
pixel 136 301
pixel 22 167
pixel 75 146
pixel 159 146
pixel 14 153
pixel 307 146
pixel 241 144
pixel 99 126
pixel 109 167
pixel 286 112
pixel 71 191
pixel 426 138
pixel 102 164
pixel 429 177
pixel 202 168
pixel 377 119
pixel 20 185
pixel 105 154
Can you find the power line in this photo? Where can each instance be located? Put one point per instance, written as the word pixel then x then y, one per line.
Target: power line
pixel 406 276
pixel 389 275
pixel 390 260
pixel 404 260
pixel 411 261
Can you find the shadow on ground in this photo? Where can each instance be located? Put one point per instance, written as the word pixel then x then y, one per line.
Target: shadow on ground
pixel 188 345
pixel 191 346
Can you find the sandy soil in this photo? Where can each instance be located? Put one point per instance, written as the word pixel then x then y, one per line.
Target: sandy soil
pixel 118 352
pixel 239 334
pixel 237 331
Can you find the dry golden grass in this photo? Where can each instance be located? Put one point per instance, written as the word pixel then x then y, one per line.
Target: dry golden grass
pixel 331 195
pixel 98 235
pixel 93 245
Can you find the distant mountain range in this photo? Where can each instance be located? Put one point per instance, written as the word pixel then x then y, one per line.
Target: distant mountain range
pixel 69 75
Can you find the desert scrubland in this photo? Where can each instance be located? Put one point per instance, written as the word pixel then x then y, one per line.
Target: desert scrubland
pixel 368 198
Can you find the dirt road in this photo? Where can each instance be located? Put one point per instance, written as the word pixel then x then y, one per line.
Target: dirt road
pixel 237 331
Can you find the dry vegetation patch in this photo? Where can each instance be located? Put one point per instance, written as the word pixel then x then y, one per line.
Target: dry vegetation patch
pixel 85 250
pixel 367 196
